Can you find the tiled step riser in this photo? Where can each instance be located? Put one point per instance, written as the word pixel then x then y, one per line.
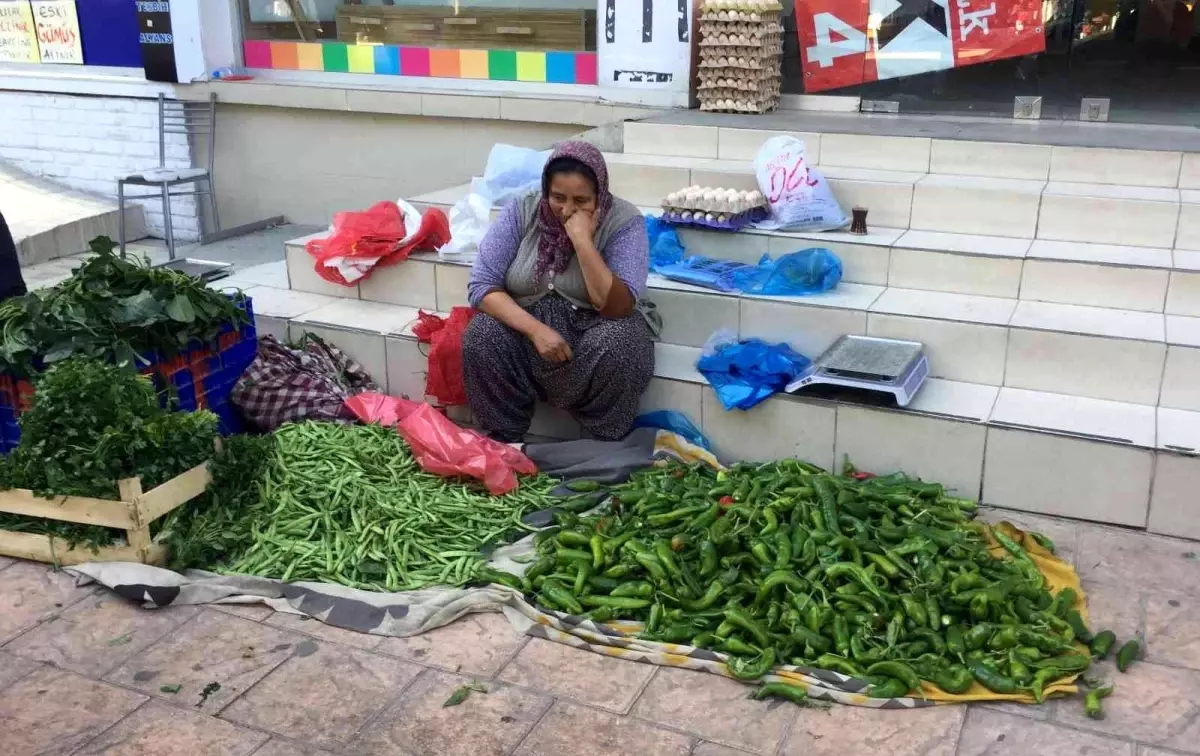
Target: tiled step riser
pixel 963 205
pixel 990 159
pixel 1012 468
pixel 1081 365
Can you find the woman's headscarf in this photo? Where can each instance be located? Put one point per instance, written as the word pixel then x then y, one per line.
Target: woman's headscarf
pixel 554 247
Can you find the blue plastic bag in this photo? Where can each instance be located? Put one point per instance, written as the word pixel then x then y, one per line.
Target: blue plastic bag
pixel 676 422
pixel 665 247
pixel 808 271
pixel 744 373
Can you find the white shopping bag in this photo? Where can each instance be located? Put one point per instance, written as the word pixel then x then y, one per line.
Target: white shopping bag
pixel 798 195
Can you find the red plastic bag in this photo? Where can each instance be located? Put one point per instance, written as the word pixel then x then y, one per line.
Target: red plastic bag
pixel 444 380
pixel 440 446
pixel 384 234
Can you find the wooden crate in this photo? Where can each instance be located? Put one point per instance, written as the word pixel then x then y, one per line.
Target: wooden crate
pixel 133 514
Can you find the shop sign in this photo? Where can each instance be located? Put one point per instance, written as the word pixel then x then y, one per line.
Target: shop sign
pixel 157 39
pixel 848 42
pixel 18 35
pixel 58 31
pixel 645 44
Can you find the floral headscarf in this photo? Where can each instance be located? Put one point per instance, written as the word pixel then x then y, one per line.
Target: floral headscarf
pixel 554 247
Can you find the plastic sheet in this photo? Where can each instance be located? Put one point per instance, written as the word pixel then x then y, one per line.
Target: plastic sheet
pixel 440 446
pixel 676 422
pixel 808 271
pixel 745 373
pixel 665 246
pixel 384 234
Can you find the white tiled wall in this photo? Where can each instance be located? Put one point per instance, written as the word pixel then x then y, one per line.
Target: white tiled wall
pixel 1056 475
pixel 1174 507
pixel 743 144
pixel 1183 294
pixel 452 286
pixel 1106 220
pixel 1104 166
pixel 669 139
pixel 689 319
pixel 304 278
pixel 1180 387
pixel 945 451
pixel 406 368
pixel 664 394
pixel 876 152
pixel 993 159
pixel 776 429
pixel 1096 285
pixel 965 274
pixel 970 205
pixel 1122 370
pixel 888 204
pixel 409 283
pixel 810 330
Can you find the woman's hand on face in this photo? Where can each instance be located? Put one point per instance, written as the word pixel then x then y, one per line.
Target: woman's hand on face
pixel 581 226
pixel 551 345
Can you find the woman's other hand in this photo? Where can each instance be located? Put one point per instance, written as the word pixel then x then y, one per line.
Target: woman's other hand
pixel 551 345
pixel 581 226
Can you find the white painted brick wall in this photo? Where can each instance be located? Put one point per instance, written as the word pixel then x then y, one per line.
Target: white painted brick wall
pixel 86 143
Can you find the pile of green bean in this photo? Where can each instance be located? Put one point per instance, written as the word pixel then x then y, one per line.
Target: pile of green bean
pixel 885 579
pixel 349 504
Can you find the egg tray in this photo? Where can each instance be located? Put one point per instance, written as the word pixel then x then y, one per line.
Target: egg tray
pixel 733 93
pixel 732 223
pixel 711 75
pixel 751 108
pixel 709 206
pixel 709 28
pixel 751 64
pixel 756 19
pixel 767 41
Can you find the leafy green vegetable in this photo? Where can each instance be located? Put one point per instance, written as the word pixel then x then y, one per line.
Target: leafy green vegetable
pixel 91 425
pixel 112 308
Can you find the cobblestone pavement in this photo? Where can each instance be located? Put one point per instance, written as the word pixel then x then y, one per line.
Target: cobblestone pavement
pixel 83 672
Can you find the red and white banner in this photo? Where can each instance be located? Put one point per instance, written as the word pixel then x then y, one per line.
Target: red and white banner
pixel 848 42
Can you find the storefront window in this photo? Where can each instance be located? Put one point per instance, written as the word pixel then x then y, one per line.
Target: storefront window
pixel 515 40
pixel 88 32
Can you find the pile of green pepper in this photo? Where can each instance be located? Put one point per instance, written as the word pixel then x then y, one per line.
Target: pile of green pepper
pixel 885 579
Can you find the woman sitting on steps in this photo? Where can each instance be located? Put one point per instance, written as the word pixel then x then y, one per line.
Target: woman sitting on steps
pixel 557 283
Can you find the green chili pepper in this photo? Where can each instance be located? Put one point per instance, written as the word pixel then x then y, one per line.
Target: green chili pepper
pixel 1064 601
pixel 955 642
pixel 738 646
pixel 666 557
pixel 1091 702
pixel 561 597
pixel 650 563
pixel 839 664
pixel 841 635
pixel 783 548
pixel 616 602
pixel 581 578
pixel 740 619
pixel 708 559
pixel 633 589
pixel 992 680
pixel 760 552
pixel 751 669
pixel 708 599
pixel 1075 620
pixel 915 610
pixel 955 679
pixel 793 693
pixel 1004 638
pixel 772 518
pixel 1018 670
pixel 891 687
pixel 977 636
pixel 1040 679
pixel 1127 655
pixel 897 670
pixel 824 488
pixel 1103 643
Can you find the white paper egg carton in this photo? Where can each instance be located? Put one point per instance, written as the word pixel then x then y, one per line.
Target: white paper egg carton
pixel 710 199
pixel 730 105
pixel 748 62
pixel 713 76
pixel 759 42
pixel 740 27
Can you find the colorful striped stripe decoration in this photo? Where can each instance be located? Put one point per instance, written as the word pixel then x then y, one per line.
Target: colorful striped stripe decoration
pixel 392 60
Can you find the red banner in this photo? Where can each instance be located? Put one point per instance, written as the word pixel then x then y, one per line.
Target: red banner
pixel 848 42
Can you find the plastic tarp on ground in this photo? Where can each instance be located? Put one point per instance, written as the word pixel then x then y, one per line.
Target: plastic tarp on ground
pixel 414 612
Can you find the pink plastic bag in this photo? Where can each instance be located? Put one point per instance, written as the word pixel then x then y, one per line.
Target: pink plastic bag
pixel 440 446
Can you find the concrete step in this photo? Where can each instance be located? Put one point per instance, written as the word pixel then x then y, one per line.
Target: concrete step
pixel 1151 279
pixel 1008 160
pixel 1022 208
pixel 49 222
pixel 1037 451
pixel 1120 354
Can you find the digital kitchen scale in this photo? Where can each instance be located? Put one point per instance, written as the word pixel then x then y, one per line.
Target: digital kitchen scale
pixel 863 362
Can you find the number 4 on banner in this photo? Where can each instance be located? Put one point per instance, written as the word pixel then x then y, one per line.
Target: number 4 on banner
pixel 851 41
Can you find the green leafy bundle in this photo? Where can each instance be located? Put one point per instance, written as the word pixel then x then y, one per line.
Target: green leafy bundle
pixel 91 425
pixel 112 308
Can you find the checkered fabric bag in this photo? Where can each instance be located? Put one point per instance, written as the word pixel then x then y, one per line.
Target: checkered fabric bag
pixel 308 382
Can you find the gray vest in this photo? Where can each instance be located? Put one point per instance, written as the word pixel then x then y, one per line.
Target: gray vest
pixel 519 280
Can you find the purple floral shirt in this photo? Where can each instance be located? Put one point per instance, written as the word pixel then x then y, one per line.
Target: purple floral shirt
pixel 627 254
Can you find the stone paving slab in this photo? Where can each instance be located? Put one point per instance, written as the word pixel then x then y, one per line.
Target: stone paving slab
pixel 292 687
